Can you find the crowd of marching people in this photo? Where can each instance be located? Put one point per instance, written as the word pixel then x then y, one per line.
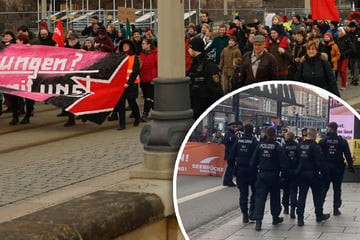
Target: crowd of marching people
pixel 300 49
pixel 140 46
pixel 267 165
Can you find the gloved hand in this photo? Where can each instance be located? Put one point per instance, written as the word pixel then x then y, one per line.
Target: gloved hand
pixel 351 169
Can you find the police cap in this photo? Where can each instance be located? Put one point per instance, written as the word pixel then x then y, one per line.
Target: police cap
pixel 197 44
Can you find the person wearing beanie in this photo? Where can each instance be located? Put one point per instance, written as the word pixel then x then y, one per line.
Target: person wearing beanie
pixel 89 30
pixel 297 24
pixel 89 44
pixel 279 28
pixel 354 35
pixel 136 38
pixel 205 84
pixel 103 43
pixel 332 50
pixel 346 50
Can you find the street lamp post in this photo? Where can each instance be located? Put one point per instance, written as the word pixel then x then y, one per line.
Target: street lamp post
pixel 171 115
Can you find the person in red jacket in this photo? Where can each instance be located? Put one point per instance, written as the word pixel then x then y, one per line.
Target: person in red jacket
pixel 149 71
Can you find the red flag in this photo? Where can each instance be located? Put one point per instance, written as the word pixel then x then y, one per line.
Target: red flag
pixel 58 35
pixel 324 10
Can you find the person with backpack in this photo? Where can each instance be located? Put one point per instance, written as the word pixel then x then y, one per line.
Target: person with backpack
pixel 315 69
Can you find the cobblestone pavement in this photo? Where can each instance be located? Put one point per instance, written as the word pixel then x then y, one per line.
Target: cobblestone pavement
pixel 43 168
pixel 346 226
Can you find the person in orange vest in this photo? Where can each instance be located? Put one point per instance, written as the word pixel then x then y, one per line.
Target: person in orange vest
pixel 131 87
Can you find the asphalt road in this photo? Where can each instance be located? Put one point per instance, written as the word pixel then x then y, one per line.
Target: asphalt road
pixel 203 199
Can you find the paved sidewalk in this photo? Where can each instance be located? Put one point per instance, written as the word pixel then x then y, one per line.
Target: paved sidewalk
pixel 344 227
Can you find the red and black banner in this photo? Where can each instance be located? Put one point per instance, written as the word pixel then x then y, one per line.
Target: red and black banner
pixel 84 83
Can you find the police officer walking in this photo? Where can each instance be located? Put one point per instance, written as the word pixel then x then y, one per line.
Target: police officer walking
pixel 309 175
pixel 241 152
pixel 334 147
pixel 270 159
pixel 290 187
pixel 228 141
pixel 205 86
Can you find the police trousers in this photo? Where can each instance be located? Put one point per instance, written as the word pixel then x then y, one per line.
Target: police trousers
pixel 245 179
pixel 267 182
pixel 309 179
pixel 334 174
pixel 290 192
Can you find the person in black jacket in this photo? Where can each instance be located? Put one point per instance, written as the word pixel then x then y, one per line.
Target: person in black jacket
pixel 91 29
pixel 205 85
pixel 290 187
pixel 354 36
pixel 131 86
pixel 241 153
pixel 345 47
pixel 334 147
pixel 309 172
pixel 270 159
pixel 228 141
pixel 316 70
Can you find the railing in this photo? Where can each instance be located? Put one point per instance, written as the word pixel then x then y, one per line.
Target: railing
pixel 80 18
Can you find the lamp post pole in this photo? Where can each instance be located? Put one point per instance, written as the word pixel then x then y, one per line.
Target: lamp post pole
pixel 171 116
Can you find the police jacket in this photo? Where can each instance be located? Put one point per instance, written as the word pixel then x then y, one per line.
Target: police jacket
pixel 243 150
pixel 205 86
pixel 334 147
pixel 290 148
pixel 309 157
pixel 228 141
pixel 269 156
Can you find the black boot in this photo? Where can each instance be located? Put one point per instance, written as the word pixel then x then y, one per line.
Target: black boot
pixel 14 121
pixel 277 220
pixel 300 221
pixel 258 225
pixel 26 120
pixel 251 215
pixel 286 210
pixel 121 127
pixel 136 122
pixel 292 213
pixel 337 212
pixel 113 117
pixel 245 217
pixel 322 217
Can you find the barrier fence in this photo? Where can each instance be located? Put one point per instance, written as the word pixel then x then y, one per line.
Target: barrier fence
pixel 78 19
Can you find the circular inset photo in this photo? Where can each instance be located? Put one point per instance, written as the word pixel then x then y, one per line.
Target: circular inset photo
pixel 274 160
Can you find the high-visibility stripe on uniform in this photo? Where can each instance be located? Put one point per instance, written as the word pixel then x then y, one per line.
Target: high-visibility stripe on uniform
pixel 131 60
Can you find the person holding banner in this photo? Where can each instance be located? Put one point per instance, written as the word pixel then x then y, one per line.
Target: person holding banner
pixel 131 86
pixel 29 103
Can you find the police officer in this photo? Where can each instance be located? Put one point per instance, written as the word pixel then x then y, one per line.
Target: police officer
pixel 228 141
pixel 205 86
pixel 309 175
pixel 334 147
pixel 241 152
pixel 269 157
pixel 290 188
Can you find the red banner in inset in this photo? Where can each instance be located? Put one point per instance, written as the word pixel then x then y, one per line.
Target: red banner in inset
pixel 202 159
